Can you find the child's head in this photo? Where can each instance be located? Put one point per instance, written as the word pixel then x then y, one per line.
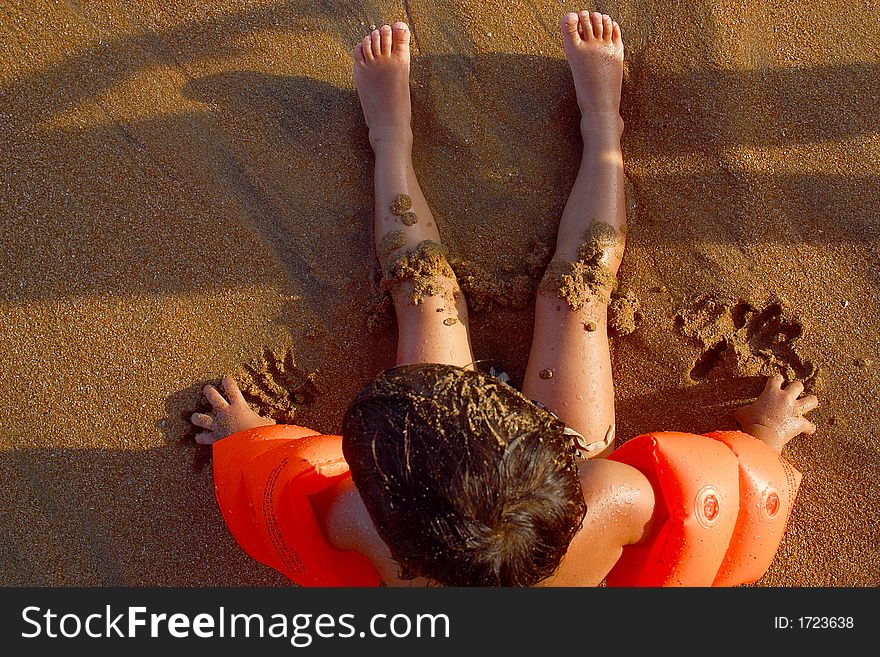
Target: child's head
pixel 467 481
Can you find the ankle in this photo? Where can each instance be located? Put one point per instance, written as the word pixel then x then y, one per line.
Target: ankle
pixel 394 139
pixel 605 126
pixel 601 143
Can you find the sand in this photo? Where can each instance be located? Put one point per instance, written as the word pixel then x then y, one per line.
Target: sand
pixel 185 187
pixel 589 276
pixel 400 204
pixel 424 270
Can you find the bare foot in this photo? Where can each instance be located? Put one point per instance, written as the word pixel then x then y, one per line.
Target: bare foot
pixel 777 415
pixel 228 416
pixel 594 49
pixel 381 73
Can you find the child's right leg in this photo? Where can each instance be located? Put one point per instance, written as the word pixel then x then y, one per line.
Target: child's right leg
pixel 431 311
pixel 569 369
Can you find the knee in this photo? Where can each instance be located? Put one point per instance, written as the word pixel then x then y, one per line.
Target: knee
pixel 413 275
pixel 577 283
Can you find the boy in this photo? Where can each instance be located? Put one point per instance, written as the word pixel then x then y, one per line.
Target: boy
pixel 455 477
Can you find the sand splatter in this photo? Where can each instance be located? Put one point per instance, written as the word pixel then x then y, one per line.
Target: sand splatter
pixel 590 326
pixel 739 339
pixel 546 374
pixel 400 204
pixel 409 218
pixel 450 321
pixel 623 313
pixel 427 267
pixel 588 276
pixel 538 258
pixel 275 386
pixel 392 241
pixel 379 310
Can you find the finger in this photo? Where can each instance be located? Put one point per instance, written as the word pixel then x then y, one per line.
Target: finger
pixel 206 438
pixel 232 391
pixel 202 420
pixel 807 426
pixel 215 398
pixel 774 383
pixel 808 403
pixel 794 389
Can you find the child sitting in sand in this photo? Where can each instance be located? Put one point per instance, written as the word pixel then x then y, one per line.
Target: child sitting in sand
pixel 456 477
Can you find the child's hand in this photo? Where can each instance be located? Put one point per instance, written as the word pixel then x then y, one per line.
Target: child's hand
pixel 777 415
pixel 228 416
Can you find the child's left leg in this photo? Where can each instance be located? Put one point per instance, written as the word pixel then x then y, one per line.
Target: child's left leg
pixel 431 311
pixel 569 368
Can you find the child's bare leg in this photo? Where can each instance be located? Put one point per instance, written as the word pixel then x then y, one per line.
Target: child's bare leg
pixel 435 330
pixel 569 368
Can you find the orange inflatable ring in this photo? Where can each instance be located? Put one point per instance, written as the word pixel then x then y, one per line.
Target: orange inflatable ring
pixel 263 478
pixel 723 502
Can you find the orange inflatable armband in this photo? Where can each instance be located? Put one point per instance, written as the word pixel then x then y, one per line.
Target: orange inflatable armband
pixel 768 485
pixel 695 484
pixel 262 479
pixel 723 502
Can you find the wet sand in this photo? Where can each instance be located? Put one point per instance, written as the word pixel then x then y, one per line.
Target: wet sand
pixel 185 189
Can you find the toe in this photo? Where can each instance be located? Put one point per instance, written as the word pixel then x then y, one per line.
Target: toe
pixel 202 420
pixel 616 34
pixel 385 38
pixel 586 25
pixel 359 53
pixel 400 37
pixel 596 20
pixel 607 28
pixel 367 48
pixel 376 43
pixel 569 28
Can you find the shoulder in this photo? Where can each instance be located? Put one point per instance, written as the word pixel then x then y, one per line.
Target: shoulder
pixel 342 516
pixel 621 492
pixel 346 525
pixel 620 504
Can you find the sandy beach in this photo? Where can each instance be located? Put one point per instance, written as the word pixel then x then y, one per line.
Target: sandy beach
pixel 186 191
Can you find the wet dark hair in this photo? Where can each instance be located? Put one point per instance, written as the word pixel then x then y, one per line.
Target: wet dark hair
pixel 467 481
